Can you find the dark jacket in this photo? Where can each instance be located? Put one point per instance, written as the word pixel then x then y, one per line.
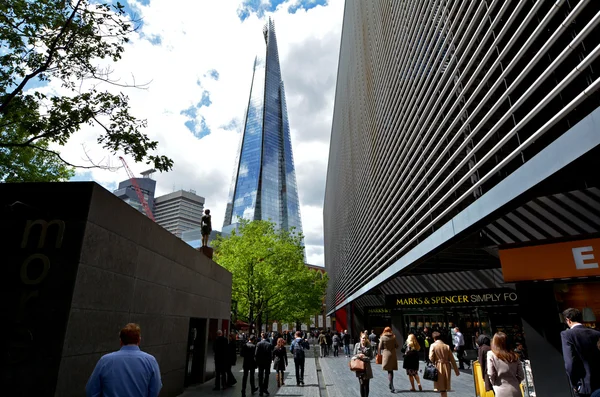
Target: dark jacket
pixel 374 340
pixel 264 353
pixel 328 339
pixel 282 355
pixel 582 358
pixel 247 352
pixel 484 348
pixel 221 355
pixel 346 339
pixel 231 354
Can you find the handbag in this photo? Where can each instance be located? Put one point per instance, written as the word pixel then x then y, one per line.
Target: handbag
pixel 378 359
pixel 430 372
pixel 356 364
pixel 276 364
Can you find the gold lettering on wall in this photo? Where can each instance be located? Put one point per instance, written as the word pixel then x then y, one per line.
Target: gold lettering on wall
pixel 44 230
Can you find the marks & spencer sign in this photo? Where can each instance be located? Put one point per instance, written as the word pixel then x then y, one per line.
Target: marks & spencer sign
pixel 492 297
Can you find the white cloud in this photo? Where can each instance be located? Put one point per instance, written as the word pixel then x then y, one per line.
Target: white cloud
pixel 195 38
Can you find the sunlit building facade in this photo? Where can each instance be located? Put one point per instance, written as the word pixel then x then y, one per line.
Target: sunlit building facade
pixel 463 185
pixel 264 179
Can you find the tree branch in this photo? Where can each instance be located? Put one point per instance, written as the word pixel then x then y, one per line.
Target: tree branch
pixel 51 52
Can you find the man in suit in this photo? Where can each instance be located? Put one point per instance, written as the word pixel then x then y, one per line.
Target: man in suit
pixel 247 352
pixel 264 357
pixel 581 354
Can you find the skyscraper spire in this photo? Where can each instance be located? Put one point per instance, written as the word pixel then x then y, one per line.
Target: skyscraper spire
pixel 264 179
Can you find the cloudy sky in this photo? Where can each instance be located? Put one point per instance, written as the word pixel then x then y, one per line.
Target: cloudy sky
pixel 197 56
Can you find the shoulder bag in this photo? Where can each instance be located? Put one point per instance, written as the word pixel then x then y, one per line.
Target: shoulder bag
pixel 356 364
pixel 378 359
pixel 430 372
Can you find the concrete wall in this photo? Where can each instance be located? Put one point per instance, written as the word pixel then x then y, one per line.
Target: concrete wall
pixel 133 270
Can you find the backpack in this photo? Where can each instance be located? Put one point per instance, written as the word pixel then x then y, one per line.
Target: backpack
pixel 297 349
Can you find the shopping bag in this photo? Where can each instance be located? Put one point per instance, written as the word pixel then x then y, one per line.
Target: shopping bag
pixel 378 359
pixel 430 372
pixel 356 364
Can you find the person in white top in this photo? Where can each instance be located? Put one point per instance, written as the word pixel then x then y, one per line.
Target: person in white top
pixel 459 348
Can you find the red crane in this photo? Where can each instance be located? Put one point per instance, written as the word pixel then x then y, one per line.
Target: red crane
pixel 138 191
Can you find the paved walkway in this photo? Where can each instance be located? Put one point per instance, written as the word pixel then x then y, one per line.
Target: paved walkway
pixel 341 382
pixel 330 377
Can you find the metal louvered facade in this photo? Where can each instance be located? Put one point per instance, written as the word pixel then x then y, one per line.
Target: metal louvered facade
pixel 437 103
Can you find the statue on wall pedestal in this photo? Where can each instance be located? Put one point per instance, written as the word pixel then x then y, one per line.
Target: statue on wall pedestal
pixel 205 227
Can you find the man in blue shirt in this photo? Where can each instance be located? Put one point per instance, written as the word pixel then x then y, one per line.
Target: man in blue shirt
pixel 128 372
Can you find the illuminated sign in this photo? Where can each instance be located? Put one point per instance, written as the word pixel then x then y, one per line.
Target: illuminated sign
pixel 379 311
pixel 464 298
pixel 551 261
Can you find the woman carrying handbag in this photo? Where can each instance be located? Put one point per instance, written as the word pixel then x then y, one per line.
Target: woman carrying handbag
pixel 441 356
pixel 364 352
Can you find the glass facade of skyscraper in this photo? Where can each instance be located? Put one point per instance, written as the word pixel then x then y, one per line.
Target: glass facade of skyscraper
pixel 264 181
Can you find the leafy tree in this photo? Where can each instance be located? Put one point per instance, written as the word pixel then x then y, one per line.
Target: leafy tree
pixel 59 40
pixel 269 274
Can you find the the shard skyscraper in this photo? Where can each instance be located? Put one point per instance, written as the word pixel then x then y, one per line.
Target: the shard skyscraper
pixel 264 178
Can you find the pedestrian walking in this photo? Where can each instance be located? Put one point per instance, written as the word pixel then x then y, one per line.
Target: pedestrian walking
pixel 336 340
pixel 329 341
pixel 363 351
pixel 322 344
pixel 126 372
pixel 441 356
pixel 248 352
pixel 373 339
pixel 459 348
pixel 411 361
pixel 232 359
pixel 280 361
pixel 581 355
pixel 504 368
pixel 346 342
pixel 220 349
pixel 427 341
pixel 297 349
pixel 387 348
pixel 484 346
pixel 264 357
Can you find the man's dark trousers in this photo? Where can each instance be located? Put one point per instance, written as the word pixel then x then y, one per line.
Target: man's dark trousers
pixel 220 375
pixel 460 352
pixel 245 381
pixel 263 378
pixel 299 363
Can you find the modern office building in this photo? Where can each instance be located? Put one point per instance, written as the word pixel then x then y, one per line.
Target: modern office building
pixel 463 184
pixel 264 178
pixel 127 193
pixel 179 211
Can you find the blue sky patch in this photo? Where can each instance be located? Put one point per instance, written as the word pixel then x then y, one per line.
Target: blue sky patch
pixel 198 128
pixel 205 101
pixel 260 7
pixel 213 74
pixel 306 5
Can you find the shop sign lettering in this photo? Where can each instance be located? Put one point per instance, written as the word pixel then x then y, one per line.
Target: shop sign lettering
pixel 379 311
pixel 494 297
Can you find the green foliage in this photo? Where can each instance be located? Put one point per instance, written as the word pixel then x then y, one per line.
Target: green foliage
pixel 61 40
pixel 269 274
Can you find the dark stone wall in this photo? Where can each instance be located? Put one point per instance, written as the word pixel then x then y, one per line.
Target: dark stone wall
pixel 116 266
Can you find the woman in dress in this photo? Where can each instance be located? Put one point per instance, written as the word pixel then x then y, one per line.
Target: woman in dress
pixel 364 351
pixel 484 346
pixel 387 348
pixel 411 361
pixel 441 356
pixel 504 368
pixel 280 360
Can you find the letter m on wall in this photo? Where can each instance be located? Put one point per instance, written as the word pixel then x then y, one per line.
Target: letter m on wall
pixel 43 226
